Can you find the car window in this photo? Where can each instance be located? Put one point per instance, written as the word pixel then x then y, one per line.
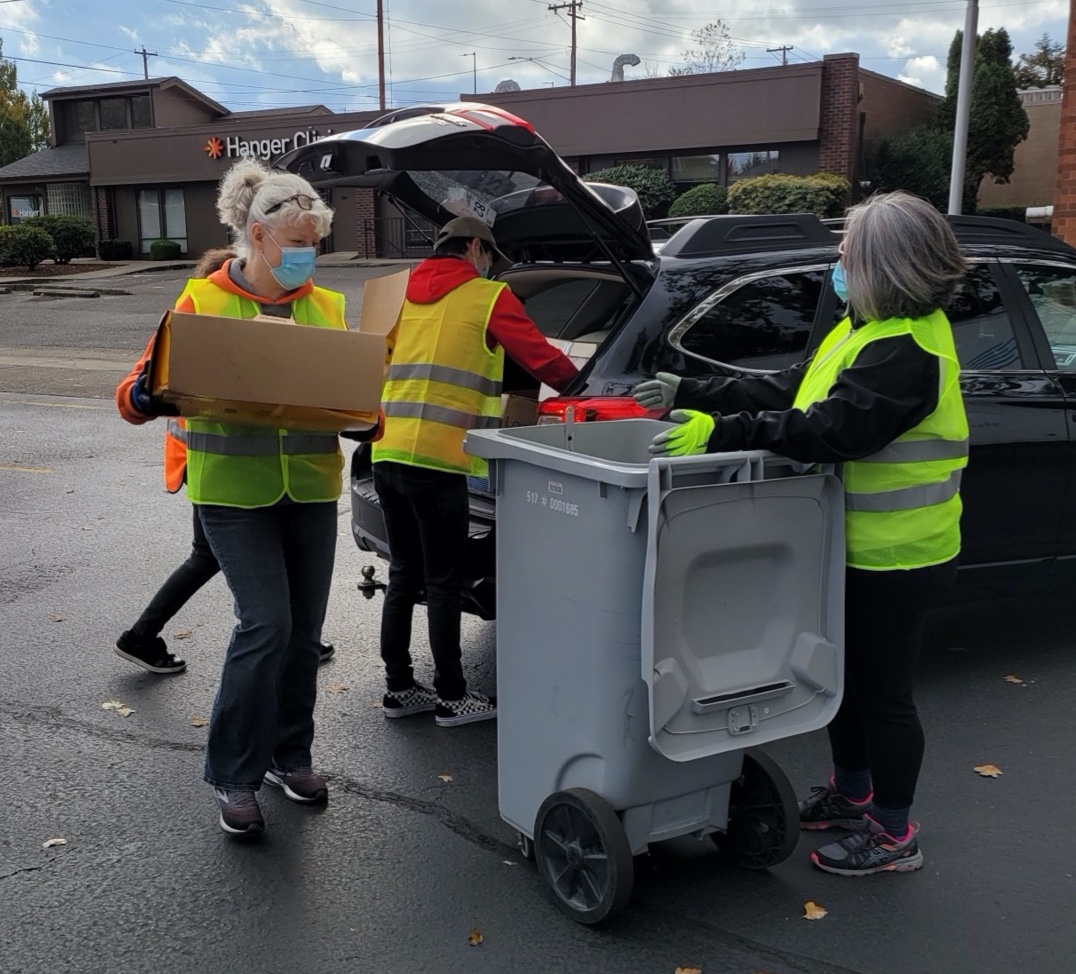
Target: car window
pixel 764 324
pixel 573 309
pixel 981 328
pixel 1052 291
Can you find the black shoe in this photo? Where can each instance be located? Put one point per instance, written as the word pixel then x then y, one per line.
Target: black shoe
pixel 416 699
pixel 150 654
pixel 826 808
pixel 239 812
pixel 471 708
pixel 300 786
pixel 871 850
pixel 328 650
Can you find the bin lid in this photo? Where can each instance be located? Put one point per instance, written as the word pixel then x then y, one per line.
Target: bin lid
pixel 742 614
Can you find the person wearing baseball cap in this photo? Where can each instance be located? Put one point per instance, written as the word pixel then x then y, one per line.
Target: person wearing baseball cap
pixel 444 378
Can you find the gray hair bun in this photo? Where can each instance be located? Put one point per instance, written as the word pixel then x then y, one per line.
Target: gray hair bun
pixel 237 192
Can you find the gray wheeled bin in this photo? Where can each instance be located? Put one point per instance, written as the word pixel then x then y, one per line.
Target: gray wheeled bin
pixel 657 618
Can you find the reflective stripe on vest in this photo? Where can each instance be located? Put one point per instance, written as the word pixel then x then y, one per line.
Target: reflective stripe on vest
pixel 443 380
pixel 902 504
pixel 174 429
pixel 245 466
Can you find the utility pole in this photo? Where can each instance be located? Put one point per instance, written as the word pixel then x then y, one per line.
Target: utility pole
pixel 783 51
pixel 573 11
pixel 474 68
pixel 963 109
pixel 381 54
pixel 146 55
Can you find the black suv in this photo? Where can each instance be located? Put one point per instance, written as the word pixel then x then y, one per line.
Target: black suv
pixel 732 295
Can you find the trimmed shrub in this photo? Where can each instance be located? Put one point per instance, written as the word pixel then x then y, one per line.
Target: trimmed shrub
pixel 1017 213
pixel 655 189
pixel 164 250
pixel 23 246
pixel 824 194
pixel 73 235
pixel 709 199
pixel 113 249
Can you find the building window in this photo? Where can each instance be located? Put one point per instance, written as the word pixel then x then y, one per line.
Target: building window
pixel 162 214
pixel 84 114
pixel 23 207
pixel 696 169
pixel 743 165
pixel 141 112
pixel 69 199
pixel 113 114
pixel 650 162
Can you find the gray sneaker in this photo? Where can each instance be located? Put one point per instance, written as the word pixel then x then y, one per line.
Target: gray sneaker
pixel 239 812
pixel 826 808
pixel 301 786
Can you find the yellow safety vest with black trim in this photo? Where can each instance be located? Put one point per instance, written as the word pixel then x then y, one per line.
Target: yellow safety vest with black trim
pixel 251 466
pixel 443 380
pixel 902 505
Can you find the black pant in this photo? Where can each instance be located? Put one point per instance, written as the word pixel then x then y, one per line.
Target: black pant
pixel 426 519
pixel 200 566
pixel 877 727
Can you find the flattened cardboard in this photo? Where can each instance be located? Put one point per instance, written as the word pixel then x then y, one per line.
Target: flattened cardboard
pixel 518 410
pixel 382 302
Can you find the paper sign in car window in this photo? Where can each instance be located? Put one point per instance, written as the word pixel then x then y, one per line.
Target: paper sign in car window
pixel 463 203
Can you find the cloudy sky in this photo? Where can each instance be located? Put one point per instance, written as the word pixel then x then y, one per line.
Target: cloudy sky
pixel 269 53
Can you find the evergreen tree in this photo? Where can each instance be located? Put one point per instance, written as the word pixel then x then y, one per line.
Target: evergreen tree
pixel 1043 67
pixel 24 119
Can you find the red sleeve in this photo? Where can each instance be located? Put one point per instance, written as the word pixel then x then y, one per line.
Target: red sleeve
pixel 123 390
pixel 511 328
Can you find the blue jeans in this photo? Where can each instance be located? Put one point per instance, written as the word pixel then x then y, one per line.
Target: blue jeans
pixel 278 562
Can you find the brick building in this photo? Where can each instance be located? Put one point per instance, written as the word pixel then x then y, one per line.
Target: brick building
pixel 143 159
pixel 1064 216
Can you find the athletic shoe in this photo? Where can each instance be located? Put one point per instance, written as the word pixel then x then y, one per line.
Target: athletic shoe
pixel 468 710
pixel 328 650
pixel 150 654
pixel 300 786
pixel 239 812
pixel 826 808
pixel 414 700
pixel 870 850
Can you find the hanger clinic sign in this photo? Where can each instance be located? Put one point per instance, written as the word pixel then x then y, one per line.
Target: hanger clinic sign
pixel 236 147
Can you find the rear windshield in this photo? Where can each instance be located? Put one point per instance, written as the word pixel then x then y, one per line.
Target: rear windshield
pixel 484 193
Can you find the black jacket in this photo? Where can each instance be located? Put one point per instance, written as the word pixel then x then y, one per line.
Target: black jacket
pixel 890 388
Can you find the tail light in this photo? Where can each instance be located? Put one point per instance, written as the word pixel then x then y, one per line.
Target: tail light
pixel 594 408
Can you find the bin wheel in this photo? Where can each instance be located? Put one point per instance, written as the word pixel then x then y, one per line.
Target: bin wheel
pixel 583 855
pixel 763 826
pixel 525 845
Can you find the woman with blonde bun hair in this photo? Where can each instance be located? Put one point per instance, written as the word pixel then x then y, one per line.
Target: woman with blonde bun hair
pixel 267 502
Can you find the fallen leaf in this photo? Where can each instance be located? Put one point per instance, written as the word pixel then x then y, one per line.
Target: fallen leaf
pixel 199 721
pixel 988 770
pixel 475 938
pixel 51 842
pixel 445 777
pixel 57 618
pixel 1013 679
pixel 125 711
pixel 338 687
pixel 688 970
pixel 111 705
pixel 812 911
pixel 182 634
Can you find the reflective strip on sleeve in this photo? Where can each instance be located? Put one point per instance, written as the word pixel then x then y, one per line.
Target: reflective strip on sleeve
pixel 441 414
pixel 446 374
pixel 177 431
pixel 919 451
pixel 906 498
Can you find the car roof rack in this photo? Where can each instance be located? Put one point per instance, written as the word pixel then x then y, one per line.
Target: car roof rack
pixel 740 233
pixel 987 229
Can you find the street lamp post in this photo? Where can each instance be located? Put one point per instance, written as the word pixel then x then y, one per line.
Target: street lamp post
pixel 963 109
pixel 474 69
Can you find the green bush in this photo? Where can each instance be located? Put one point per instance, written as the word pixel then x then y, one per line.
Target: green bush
pixel 73 235
pixel 113 249
pixel 824 194
pixel 23 246
pixel 709 199
pixel 1017 213
pixel 655 189
pixel 164 250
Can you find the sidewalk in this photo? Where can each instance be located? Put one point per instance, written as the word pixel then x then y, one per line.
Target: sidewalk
pixel 125 267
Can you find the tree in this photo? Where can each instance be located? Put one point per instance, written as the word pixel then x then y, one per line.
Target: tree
pixel 919 161
pixel 716 51
pixel 998 122
pixel 24 119
pixel 1045 66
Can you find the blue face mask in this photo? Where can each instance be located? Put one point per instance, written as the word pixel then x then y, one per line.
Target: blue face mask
pixel 296 265
pixel 840 285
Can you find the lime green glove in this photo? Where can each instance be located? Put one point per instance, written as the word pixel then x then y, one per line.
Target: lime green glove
pixel 690 437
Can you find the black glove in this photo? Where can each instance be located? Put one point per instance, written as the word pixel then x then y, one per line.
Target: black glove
pixel 146 404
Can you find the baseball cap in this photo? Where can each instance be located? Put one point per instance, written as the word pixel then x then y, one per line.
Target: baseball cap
pixel 469 227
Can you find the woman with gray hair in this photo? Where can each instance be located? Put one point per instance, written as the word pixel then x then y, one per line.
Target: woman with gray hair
pixel 267 502
pixel 880 397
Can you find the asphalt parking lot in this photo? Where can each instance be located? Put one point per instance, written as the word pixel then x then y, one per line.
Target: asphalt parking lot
pixel 403 865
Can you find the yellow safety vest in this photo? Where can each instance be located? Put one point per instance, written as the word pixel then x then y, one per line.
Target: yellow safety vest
pixel 251 466
pixel 902 505
pixel 443 380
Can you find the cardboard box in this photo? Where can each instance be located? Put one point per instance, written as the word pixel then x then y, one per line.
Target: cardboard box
pixel 517 410
pixel 579 352
pixel 276 373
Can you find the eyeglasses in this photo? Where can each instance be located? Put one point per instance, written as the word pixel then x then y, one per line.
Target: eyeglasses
pixel 303 201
